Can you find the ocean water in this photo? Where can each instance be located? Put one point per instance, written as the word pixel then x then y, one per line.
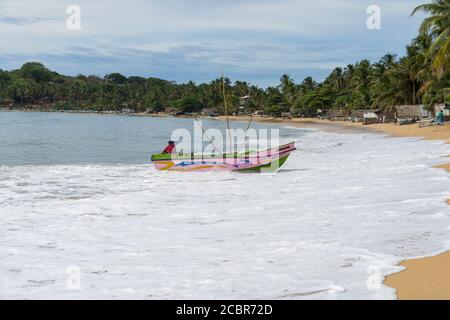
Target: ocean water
pixel 34 138
pixel 79 220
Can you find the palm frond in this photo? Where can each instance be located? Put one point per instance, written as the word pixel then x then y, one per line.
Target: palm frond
pixel 428 7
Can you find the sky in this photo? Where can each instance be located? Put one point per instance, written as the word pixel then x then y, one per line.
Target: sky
pixel 251 40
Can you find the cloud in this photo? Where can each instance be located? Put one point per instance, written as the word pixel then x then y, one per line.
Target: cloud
pixel 255 40
pixel 18 20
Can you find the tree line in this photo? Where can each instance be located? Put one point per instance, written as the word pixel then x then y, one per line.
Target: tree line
pixel 422 76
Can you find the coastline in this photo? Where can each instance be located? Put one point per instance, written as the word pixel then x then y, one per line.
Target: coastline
pixel 422 278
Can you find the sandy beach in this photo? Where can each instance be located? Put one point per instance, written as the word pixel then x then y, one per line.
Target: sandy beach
pixel 424 278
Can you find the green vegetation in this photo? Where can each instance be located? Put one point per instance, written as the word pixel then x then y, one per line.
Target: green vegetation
pixel 422 76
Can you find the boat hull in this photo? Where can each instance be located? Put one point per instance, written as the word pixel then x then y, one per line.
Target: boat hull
pixel 256 161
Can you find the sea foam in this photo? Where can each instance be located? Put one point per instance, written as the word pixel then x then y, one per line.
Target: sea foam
pixel 331 224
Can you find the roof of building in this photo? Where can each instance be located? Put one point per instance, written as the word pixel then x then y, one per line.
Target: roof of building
pixel 409 111
pixel 360 112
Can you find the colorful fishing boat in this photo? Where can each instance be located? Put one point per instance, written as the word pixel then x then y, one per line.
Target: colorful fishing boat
pixel 250 161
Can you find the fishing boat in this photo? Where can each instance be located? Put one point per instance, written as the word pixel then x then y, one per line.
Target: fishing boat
pixel 266 160
pixel 248 161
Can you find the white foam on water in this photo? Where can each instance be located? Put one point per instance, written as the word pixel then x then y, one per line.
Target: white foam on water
pixel 330 225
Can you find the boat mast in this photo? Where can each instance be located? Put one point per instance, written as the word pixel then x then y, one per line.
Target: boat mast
pixel 226 109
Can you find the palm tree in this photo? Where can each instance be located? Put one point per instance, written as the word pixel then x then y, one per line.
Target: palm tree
pixel 360 82
pixel 437 25
pixel 287 88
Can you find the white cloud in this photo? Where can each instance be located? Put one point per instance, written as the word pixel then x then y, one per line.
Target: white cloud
pixel 249 36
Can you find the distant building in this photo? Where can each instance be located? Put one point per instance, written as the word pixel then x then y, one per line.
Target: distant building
pixel 286 115
pixel 6 103
pixel 358 115
pixel 243 101
pixel 127 110
pixel 371 117
pixel 407 114
pixel 410 112
pixel 337 115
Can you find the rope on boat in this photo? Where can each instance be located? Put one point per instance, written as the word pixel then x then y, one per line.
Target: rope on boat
pixel 206 135
pixel 249 122
pixel 227 119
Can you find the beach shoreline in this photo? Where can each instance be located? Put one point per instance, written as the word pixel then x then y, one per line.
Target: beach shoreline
pixel 422 278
